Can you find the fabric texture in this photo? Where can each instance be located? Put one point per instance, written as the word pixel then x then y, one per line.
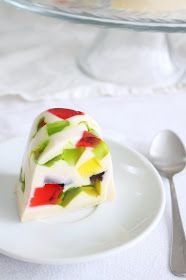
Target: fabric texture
pixel 38 58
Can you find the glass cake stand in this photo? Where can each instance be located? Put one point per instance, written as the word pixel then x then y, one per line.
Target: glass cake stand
pixel 120 54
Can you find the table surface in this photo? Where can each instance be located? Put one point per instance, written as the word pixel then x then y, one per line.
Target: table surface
pixel 131 119
pixel 39 54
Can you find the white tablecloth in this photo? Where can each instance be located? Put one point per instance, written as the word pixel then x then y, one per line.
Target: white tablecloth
pixel 38 58
pixel 131 119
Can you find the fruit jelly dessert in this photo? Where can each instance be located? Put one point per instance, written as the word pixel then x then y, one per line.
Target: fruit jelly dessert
pixel 66 166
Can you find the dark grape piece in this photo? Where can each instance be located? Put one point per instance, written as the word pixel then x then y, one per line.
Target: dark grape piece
pixel 97 177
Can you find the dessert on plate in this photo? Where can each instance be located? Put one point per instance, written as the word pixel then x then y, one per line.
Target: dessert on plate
pixel 66 166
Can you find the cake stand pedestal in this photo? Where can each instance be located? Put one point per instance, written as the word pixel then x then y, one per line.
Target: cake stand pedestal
pixel 135 59
pixel 131 58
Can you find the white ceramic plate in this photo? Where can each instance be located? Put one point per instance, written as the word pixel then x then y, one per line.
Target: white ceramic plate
pixel 117 225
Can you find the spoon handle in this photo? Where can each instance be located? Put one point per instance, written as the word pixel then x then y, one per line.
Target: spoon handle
pixel 178 254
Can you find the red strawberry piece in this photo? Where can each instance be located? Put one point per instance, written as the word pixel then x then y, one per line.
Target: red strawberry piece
pixel 46 195
pixel 64 113
pixel 88 140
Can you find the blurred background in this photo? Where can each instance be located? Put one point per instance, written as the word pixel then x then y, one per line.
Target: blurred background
pixel 39 59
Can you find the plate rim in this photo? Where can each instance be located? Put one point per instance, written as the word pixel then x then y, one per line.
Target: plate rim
pixel 107 252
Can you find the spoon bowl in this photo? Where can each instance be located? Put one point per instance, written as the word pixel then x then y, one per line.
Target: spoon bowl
pixel 167 153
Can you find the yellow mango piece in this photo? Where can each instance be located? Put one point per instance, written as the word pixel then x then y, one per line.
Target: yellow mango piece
pixel 89 167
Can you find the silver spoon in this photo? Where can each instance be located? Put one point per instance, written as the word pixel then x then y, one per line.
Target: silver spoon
pixel 168 154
